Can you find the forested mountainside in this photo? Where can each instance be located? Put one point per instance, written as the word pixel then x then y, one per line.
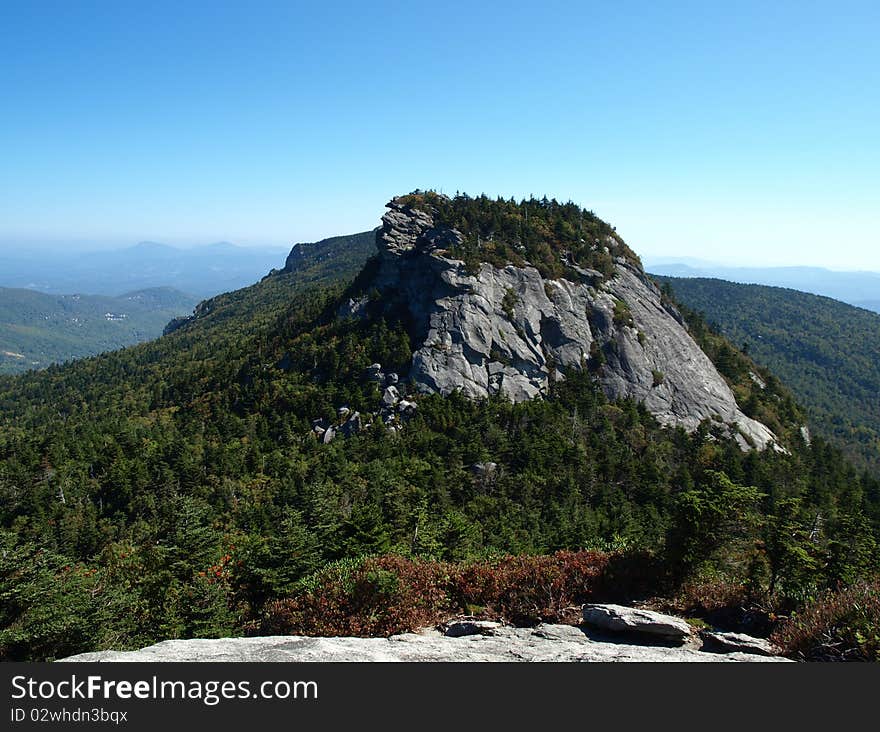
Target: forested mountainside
pixel 826 351
pixel 856 288
pixel 38 329
pixel 198 484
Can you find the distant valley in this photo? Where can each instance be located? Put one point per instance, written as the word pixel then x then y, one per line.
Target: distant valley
pixel 37 329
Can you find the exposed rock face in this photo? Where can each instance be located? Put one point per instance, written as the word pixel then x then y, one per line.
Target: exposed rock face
pixel 543 643
pixel 511 331
pixel 806 436
pixel 620 619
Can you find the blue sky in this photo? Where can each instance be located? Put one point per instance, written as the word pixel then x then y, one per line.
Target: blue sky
pixel 739 132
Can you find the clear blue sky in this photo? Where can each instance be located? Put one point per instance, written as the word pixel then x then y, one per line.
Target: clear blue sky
pixel 743 132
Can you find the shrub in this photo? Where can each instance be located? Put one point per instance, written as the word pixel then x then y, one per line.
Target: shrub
pixel 706 595
pixel 838 626
pixel 622 314
pixel 381 596
pixel 525 590
pixel 509 302
pixel 365 597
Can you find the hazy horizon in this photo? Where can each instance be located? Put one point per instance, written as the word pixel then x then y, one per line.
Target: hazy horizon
pixel 745 136
pixel 77 246
pixel 20 250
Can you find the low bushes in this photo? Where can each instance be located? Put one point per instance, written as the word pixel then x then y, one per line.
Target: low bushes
pixel 380 596
pixel 525 590
pixel 724 602
pixel 839 626
pixel 365 597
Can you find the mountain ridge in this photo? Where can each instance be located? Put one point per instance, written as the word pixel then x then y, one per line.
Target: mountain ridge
pixel 829 358
pixel 859 288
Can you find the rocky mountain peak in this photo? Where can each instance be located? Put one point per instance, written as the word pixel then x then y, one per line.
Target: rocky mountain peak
pixel 482 326
pixel 405 228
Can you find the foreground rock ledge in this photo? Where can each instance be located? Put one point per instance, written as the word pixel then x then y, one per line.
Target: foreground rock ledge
pixel 542 643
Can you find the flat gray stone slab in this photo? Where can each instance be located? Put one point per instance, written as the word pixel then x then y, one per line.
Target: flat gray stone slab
pixel 542 643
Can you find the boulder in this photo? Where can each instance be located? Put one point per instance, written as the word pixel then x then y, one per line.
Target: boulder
pixel 484 470
pixel 353 307
pixel 373 373
pixel 620 619
pixel 736 643
pixel 806 436
pixel 390 396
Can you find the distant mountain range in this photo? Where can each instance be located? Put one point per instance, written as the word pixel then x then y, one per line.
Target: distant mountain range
pixel 203 271
pixel 861 289
pixel 37 329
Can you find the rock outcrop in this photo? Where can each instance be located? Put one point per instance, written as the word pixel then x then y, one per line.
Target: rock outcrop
pixel 542 643
pixel 393 410
pixel 736 642
pixel 509 330
pixel 176 324
pixel 620 619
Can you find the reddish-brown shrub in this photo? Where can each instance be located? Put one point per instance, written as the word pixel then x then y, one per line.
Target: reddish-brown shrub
pixel 705 596
pixel 839 626
pixel 386 595
pixel 369 597
pixel 725 603
pixel 524 590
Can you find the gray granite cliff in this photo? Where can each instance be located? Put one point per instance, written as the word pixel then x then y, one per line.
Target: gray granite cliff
pixel 509 330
